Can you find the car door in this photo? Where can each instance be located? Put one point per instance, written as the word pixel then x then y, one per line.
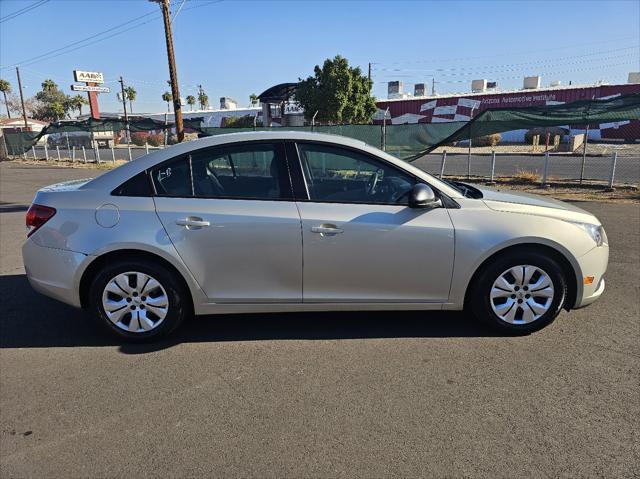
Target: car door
pixel 230 213
pixel 361 242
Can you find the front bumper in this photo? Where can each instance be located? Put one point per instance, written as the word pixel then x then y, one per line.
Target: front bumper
pixel 594 263
pixel 52 272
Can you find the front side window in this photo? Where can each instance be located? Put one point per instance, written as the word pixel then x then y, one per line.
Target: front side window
pixel 337 174
pixel 250 171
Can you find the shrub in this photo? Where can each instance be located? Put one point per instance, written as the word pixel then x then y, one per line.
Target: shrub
pixel 239 122
pixel 527 176
pixel 138 139
pixel 487 140
pixel 155 140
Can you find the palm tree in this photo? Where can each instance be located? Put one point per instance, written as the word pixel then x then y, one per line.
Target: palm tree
pixel 49 85
pixel 191 100
pixel 76 103
pixel 166 96
pixel 130 94
pixel 203 99
pixel 253 98
pixel 5 87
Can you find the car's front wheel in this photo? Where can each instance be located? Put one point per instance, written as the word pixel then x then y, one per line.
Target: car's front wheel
pixel 137 300
pixel 519 293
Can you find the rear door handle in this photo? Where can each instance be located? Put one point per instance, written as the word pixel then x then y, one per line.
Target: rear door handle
pixel 326 230
pixel 193 222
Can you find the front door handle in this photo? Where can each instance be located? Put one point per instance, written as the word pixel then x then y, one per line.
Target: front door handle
pixel 193 222
pixel 326 230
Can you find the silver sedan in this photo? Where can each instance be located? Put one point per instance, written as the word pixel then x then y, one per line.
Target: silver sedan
pixel 288 221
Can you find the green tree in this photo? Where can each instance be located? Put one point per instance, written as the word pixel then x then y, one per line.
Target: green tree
pixel 253 98
pixel 77 102
pixel 338 92
pixel 130 94
pixel 166 96
pixel 52 103
pixel 58 110
pixel 191 100
pixel 5 87
pixel 203 99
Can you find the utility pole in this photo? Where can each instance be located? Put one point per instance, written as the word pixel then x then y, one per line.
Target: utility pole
pixel 433 87
pixel 369 71
pixel 24 112
pixel 124 105
pixel 175 92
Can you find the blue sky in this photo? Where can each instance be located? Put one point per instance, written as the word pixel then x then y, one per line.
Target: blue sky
pixel 235 48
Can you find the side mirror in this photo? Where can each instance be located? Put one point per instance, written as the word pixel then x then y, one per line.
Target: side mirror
pixel 422 196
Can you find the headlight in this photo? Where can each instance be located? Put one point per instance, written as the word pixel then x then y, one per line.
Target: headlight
pixel 595 231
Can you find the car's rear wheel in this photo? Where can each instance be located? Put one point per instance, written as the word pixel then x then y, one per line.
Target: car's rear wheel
pixel 519 293
pixel 137 300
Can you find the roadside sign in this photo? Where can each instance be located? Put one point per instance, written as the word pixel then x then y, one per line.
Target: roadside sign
pixel 88 77
pixel 99 89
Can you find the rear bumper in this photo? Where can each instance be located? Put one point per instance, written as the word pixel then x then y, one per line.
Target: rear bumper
pixel 52 272
pixel 594 263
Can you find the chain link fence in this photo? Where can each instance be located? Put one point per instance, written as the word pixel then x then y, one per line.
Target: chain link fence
pixel 544 168
pixel 617 164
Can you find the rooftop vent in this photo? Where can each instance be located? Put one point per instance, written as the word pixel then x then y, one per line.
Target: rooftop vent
pixel 478 85
pixel 531 83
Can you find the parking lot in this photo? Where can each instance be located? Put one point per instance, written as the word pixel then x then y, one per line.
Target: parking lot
pixel 318 395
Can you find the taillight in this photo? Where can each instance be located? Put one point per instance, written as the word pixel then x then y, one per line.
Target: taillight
pixel 37 215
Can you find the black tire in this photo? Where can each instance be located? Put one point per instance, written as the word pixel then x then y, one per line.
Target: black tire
pixel 480 300
pixel 176 291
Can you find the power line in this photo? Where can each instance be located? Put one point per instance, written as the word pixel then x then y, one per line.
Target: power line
pixel 521 64
pixel 514 69
pixel 22 11
pixel 492 55
pixel 549 72
pixel 60 51
pixel 92 37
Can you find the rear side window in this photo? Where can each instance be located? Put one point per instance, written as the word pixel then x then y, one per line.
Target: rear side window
pixel 137 186
pixel 173 178
pixel 248 171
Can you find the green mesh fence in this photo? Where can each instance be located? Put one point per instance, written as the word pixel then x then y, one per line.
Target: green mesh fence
pixel 20 142
pixel 404 141
pixel 582 112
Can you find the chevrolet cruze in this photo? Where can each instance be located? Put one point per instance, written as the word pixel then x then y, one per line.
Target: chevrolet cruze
pixel 288 221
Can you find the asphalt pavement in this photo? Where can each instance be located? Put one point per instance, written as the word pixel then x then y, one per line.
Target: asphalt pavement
pixel 318 395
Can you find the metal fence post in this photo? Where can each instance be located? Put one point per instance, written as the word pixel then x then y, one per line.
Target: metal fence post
pixel 33 152
pixel 384 133
pixel 129 148
pixel 113 154
pixel 444 160
pixel 84 153
pixel 58 151
pixel 96 153
pixel 73 153
pixel 493 166
pixel 146 148
pixel 584 152
pixel 613 169
pixel 46 152
pixel 546 169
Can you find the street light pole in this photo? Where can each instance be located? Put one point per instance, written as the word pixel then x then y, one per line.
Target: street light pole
pixel 175 92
